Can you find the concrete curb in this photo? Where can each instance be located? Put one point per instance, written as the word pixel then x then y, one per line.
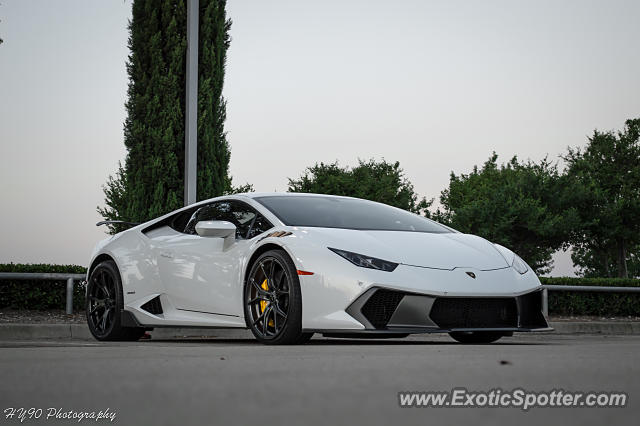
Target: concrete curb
pixel 596 327
pixel 17 331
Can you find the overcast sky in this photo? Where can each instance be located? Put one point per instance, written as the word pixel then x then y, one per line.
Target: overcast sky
pixel 435 85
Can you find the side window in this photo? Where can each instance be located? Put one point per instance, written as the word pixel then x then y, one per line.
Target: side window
pixel 260 225
pixel 240 214
pixel 213 211
pixel 179 222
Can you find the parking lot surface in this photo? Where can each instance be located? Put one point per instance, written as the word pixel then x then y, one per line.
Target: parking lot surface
pixel 328 381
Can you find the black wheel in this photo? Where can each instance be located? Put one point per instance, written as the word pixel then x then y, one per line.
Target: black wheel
pixel 273 302
pixel 476 336
pixel 105 303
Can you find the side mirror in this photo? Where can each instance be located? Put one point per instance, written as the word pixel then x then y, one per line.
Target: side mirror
pixel 216 229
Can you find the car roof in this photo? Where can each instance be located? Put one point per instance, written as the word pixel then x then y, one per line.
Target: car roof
pixel 240 196
pixel 287 194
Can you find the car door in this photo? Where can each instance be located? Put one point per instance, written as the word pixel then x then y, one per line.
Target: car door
pixel 199 274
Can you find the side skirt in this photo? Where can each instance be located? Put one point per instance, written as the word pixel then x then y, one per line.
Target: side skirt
pixel 127 319
pixel 390 333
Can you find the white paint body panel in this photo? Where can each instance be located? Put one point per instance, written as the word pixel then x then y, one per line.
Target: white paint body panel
pixel 200 279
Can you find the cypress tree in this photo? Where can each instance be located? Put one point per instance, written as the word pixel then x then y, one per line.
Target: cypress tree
pixel 151 182
pixel 213 155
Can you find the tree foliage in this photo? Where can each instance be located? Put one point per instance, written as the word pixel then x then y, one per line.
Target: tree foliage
pixel 518 205
pixel 602 262
pixel 381 181
pixel 151 181
pixel 606 174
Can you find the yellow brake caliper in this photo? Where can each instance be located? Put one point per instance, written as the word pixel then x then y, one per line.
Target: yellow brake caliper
pixel 264 303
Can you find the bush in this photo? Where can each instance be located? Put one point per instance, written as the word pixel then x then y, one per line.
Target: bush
pixel 38 294
pixel 600 304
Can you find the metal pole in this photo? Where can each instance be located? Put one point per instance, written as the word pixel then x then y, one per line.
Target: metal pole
pixel 191 104
pixel 545 302
pixel 69 296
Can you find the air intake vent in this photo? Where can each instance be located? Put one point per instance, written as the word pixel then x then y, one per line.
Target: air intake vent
pixel 531 311
pixel 381 306
pixel 461 312
pixel 153 306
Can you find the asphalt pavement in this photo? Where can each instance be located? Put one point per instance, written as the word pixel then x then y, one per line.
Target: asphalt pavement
pixel 326 382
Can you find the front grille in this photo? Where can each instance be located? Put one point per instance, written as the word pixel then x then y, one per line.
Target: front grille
pixel 381 306
pixel 463 312
pixel 153 306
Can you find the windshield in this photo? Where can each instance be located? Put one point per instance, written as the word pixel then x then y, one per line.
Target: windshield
pixel 346 213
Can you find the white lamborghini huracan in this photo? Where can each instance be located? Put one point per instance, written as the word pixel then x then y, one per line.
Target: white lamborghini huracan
pixel 289 265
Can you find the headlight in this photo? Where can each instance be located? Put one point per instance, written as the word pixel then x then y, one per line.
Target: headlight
pixel 519 265
pixel 513 259
pixel 365 261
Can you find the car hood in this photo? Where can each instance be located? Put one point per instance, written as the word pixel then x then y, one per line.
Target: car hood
pixel 438 251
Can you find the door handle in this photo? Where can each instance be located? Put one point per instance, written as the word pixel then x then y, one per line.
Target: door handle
pixel 166 254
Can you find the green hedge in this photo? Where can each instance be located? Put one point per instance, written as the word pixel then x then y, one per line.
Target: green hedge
pixel 40 295
pixel 599 304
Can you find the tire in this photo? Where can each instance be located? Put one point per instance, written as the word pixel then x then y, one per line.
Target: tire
pixel 273 302
pixel 476 336
pixel 105 303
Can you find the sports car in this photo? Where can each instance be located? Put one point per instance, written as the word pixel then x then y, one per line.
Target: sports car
pixel 289 265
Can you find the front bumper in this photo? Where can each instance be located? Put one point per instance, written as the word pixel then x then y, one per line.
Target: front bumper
pixel 383 310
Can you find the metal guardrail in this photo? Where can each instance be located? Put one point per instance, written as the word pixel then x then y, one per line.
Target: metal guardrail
pixel 70 278
pixel 26 276
pixel 581 288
